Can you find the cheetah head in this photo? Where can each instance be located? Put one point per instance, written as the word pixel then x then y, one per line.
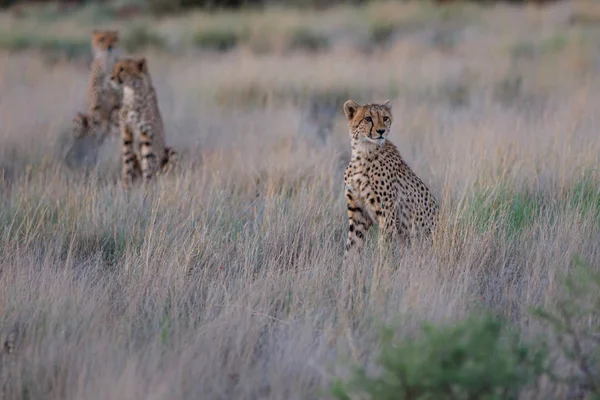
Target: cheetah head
pixel 369 122
pixel 104 42
pixel 129 72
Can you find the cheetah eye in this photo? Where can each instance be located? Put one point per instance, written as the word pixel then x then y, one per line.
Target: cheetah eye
pixel 386 119
pixel 121 69
pixel 369 119
pixel 101 40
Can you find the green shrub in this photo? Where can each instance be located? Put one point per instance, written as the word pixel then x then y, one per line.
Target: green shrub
pixel 170 6
pixel 306 39
pixel 511 211
pixel 479 358
pixel 584 196
pixel 217 39
pixel 380 33
pixel 505 209
pixel 55 47
pixel 256 95
pixel 65 48
pixel 508 89
pixel 141 37
pixel 574 321
pixel 16 42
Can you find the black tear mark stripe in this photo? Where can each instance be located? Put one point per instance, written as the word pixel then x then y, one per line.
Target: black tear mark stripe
pixel 357 222
pixel 371 128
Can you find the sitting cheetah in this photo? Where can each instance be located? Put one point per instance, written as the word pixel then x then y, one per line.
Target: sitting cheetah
pixel 140 120
pixel 101 95
pixel 380 186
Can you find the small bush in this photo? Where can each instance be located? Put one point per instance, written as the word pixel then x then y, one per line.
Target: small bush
pixel 509 89
pixel 65 48
pixel 455 93
pixel 170 6
pixel 380 33
pixel 584 196
pixel 503 209
pixel 475 359
pixel 16 42
pixel 525 49
pixel 256 95
pixel 305 39
pixel 219 39
pixel 141 37
pixel 54 47
pixel 575 325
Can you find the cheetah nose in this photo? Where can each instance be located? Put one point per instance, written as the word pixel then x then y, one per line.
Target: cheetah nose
pixel 381 131
pixel 109 47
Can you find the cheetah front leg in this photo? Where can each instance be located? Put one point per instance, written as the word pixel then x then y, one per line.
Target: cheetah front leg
pixel 129 156
pixel 169 160
pixel 149 162
pixel 386 220
pixel 359 223
pixel 114 118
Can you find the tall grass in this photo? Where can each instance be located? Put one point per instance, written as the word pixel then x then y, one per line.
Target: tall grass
pixel 224 280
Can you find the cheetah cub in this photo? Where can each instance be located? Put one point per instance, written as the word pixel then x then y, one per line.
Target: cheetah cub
pixel 140 121
pixel 380 187
pixel 103 98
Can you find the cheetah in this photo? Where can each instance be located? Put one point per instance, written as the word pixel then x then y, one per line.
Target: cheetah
pixel 101 95
pixel 379 186
pixel 140 121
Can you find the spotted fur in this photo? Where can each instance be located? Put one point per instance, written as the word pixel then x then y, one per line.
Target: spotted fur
pixel 89 133
pixel 102 96
pixel 90 124
pixel 379 186
pixel 169 161
pixel 140 122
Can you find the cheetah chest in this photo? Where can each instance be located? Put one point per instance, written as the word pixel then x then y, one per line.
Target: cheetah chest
pixel 359 185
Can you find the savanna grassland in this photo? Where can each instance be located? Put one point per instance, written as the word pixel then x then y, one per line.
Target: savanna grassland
pixel 224 280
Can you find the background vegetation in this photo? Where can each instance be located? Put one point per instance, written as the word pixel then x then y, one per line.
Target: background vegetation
pixel 224 280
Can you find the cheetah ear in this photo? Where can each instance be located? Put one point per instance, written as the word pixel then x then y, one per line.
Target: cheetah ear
pixel 388 105
pixel 142 64
pixel 350 108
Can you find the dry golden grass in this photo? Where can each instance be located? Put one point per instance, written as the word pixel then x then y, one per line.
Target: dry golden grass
pixel 224 280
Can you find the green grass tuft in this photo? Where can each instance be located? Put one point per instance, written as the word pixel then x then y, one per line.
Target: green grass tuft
pixel 217 39
pixel 306 39
pixel 141 37
pixel 50 46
